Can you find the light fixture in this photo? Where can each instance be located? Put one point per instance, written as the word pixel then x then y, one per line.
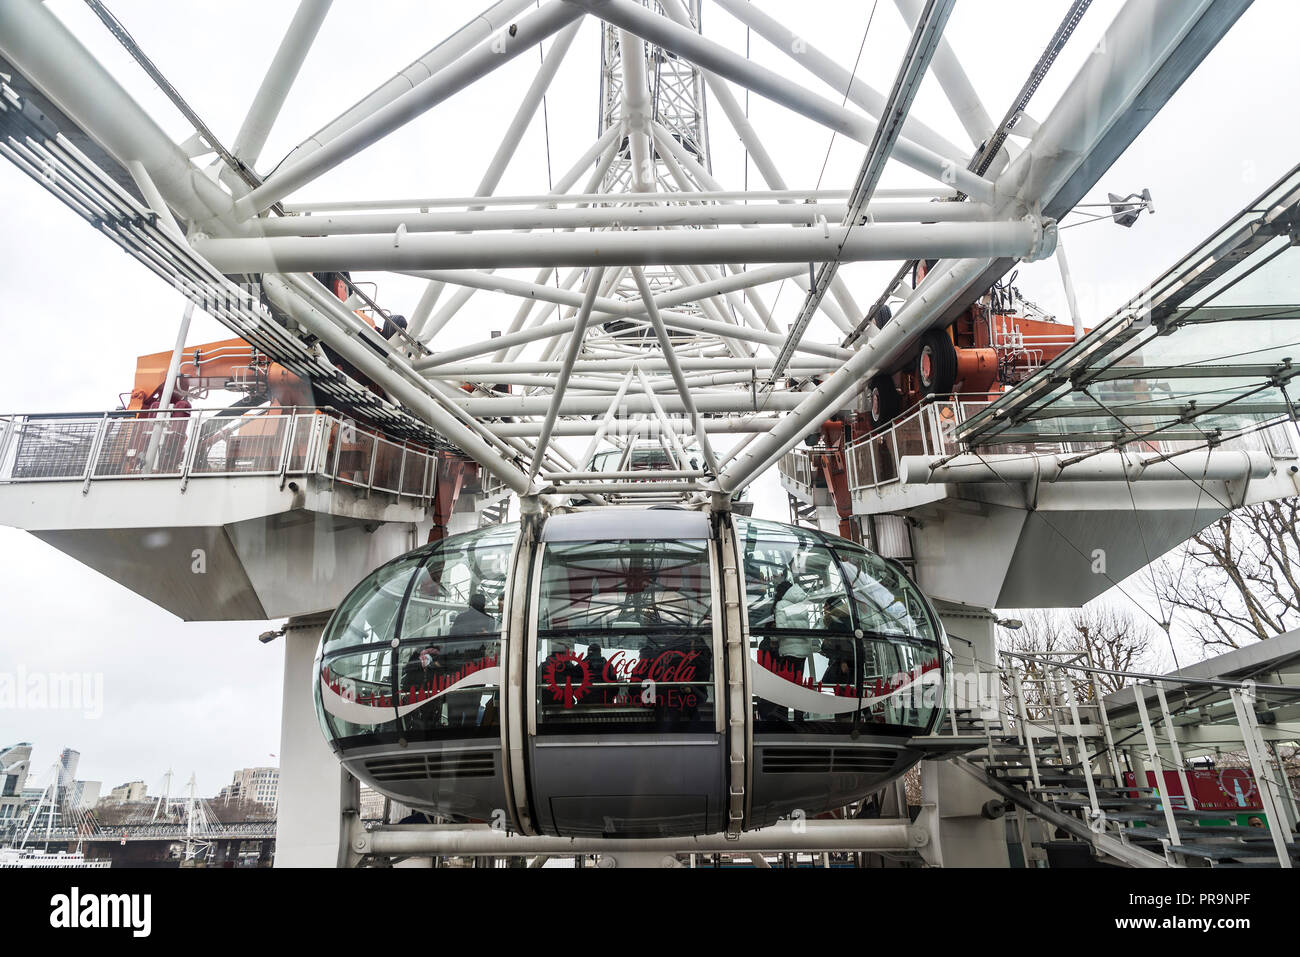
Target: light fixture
pixel 267 637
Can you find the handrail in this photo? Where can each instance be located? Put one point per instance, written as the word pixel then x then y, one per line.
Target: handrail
pixel 189 444
pixel 929 427
pixel 1143 676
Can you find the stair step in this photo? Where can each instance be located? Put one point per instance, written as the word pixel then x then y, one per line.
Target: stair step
pixel 1243 849
pixel 1215 852
pixel 1118 803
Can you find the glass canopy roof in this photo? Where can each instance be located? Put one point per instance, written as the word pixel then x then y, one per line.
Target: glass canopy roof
pixel 1206 353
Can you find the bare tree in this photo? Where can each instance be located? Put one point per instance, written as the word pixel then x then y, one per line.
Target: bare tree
pixel 1102 636
pixel 1238 579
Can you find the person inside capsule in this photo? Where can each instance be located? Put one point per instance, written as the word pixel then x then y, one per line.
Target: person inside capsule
pixel 642 612
pixel 829 617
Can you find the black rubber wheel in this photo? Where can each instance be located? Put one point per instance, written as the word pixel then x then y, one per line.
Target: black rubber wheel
pixel 883 400
pixel 936 363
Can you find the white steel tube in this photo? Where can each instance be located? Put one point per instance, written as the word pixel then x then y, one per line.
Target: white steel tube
pixel 611 199
pixel 712 56
pixel 683 387
pixel 733 402
pixel 37 43
pixel 1217 465
pixel 1068 283
pixel 449 50
pixel 636 110
pixel 626 217
pixel 270 97
pixel 912 319
pixel 601 153
pixel 737 425
pixel 607 419
pixel 860 93
pixel 492 175
pixel 379 369
pixel 952 78
pixel 1018 239
pixel 482 839
pixel 531 30
pixel 566 368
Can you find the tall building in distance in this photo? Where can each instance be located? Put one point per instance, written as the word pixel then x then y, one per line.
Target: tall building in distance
pixel 68 761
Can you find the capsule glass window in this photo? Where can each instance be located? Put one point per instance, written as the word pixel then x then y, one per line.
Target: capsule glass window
pixel 625 637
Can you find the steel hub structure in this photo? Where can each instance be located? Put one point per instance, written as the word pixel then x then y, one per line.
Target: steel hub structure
pixel 644 305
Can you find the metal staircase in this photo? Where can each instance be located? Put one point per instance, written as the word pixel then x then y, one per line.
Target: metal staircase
pixel 1058 764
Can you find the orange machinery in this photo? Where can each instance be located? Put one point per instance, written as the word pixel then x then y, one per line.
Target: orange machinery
pixel 248 435
pixel 991 347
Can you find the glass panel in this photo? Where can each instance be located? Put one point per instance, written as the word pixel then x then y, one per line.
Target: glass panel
pixel 54 449
pixel 884 601
pixel 355 696
pixel 302 431
pixel 800 623
pixel 247 444
pixel 1222 323
pixel 900 683
pixel 449 657
pixel 369 613
pixel 641 458
pixel 387 476
pixel 625 637
pixel 355 450
pixel 812 673
pixel 433 619
pixel 128 443
pixel 790 579
pixel 413 473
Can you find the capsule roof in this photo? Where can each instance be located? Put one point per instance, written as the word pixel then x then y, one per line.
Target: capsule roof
pixel 626 525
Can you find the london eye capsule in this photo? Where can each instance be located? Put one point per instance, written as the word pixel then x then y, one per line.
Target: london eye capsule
pixel 631 673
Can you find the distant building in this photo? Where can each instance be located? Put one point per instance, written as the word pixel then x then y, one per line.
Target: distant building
pixel 68 762
pixel 14 763
pixel 124 793
pixel 261 785
pixel 85 793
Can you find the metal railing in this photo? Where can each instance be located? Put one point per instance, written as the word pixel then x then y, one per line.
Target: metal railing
pixel 874 461
pixel 797 465
pixel 196 444
pixel 1054 706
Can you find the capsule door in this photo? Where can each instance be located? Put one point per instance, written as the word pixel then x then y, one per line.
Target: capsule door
pixel 624 723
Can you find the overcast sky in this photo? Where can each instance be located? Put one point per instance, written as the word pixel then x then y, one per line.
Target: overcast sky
pixel 76 311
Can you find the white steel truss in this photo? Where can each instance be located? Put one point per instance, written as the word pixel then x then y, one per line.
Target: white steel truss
pixel 647 295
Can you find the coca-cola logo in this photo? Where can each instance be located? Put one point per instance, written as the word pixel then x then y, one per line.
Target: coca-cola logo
pixel 570 677
pixel 666 666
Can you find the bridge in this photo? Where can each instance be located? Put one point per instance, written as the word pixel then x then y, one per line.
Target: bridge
pixel 939 420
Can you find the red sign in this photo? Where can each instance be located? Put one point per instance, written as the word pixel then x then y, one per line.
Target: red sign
pixel 1229 789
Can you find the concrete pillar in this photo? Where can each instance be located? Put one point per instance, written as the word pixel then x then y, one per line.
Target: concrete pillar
pixel 953 801
pixel 310 806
